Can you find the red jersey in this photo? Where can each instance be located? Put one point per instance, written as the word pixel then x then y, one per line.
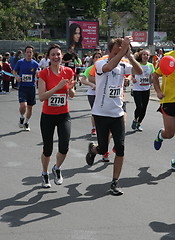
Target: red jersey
pixel 7 68
pixel 57 103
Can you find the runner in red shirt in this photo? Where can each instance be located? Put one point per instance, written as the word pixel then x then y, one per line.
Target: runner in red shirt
pixel 54 86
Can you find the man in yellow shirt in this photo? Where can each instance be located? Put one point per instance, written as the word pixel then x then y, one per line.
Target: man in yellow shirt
pixel 166 94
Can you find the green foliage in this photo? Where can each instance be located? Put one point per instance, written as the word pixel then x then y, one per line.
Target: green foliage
pixel 16 17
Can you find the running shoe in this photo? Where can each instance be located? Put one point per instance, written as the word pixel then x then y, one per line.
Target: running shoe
pixel 93 132
pixel 134 125
pixel 21 122
pixel 139 128
pixel 158 141
pixel 106 157
pixel 26 127
pixel 90 156
pixel 115 190
pixel 45 181
pixel 58 176
pixel 173 164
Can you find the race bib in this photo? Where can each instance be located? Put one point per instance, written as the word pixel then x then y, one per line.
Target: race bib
pixel 114 92
pixel 71 64
pixel 57 100
pixel 144 81
pixel 26 78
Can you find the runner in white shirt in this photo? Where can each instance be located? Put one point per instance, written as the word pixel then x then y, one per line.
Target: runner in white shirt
pixel 107 109
pixel 141 89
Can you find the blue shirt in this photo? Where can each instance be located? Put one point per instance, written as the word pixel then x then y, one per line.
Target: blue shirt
pixel 26 70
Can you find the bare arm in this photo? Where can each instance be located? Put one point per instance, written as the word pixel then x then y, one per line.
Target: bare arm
pixel 157 88
pixel 44 93
pixel 116 59
pixel 91 78
pixel 136 67
pixel 85 81
pixel 18 79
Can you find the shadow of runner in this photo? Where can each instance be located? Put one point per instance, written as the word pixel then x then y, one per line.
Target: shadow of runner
pixel 161 227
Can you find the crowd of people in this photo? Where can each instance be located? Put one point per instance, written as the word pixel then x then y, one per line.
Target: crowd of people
pixel 56 74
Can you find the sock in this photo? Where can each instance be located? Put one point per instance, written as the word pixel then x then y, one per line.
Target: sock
pixel 45 173
pixel 115 180
pixel 160 136
pixel 27 120
pixel 56 168
pixel 22 116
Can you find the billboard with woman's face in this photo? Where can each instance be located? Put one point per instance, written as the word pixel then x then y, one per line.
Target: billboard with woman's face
pixel 82 34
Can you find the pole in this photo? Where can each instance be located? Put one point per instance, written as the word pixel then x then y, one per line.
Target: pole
pixel 151 26
pixel 109 20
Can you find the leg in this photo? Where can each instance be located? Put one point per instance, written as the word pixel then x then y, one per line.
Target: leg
pixel 29 112
pixel 145 99
pixel 169 125
pixel 118 133
pixel 47 132
pixel 63 130
pixel 118 163
pixel 22 107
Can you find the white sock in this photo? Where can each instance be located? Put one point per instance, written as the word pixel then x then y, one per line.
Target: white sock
pixel 160 135
pixel 27 120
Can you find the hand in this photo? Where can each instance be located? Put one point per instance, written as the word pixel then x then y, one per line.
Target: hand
pixel 71 83
pixel 62 83
pixel 160 95
pixel 126 45
pixel 18 79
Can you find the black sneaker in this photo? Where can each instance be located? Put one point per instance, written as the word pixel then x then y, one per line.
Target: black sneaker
pixel 45 181
pixel 90 156
pixel 58 176
pixel 21 122
pixel 134 125
pixel 26 127
pixel 115 190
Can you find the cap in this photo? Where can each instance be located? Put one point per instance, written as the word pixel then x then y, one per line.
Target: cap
pixel 98 48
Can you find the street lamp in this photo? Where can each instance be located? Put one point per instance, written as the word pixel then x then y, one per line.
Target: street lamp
pixel 40 31
pixel 109 20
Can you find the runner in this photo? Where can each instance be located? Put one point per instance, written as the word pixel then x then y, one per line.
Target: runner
pixel 91 89
pixel 107 109
pixel 25 71
pixel 166 94
pixel 54 86
pixel 141 88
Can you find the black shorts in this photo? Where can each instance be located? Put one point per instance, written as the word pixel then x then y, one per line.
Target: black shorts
pixel 91 99
pixel 167 109
pixel 27 94
pixel 124 106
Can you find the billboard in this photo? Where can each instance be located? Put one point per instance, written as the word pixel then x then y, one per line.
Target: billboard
pixel 82 34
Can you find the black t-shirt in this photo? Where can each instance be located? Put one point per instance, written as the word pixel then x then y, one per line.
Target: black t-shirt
pixel 69 56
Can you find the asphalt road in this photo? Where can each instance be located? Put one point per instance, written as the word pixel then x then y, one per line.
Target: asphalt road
pixel 82 208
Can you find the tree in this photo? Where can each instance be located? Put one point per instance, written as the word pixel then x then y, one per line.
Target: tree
pixel 165 19
pixel 16 17
pixel 139 10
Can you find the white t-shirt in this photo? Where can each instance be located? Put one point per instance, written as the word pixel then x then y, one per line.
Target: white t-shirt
pixel 86 60
pixel 44 63
pixel 143 80
pixel 109 89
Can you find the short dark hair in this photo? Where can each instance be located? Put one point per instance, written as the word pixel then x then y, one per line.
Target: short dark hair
pixel 53 47
pixel 29 46
pixel 114 41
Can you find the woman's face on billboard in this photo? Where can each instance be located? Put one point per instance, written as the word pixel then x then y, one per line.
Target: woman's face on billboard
pixel 76 36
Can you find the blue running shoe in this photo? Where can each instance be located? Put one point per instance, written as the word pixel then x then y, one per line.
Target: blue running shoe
pixel 173 164
pixel 158 141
